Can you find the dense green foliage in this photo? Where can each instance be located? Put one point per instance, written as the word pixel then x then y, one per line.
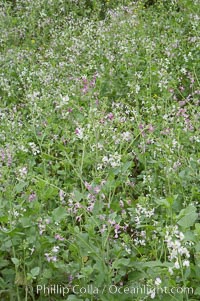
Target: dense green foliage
pixel 99 150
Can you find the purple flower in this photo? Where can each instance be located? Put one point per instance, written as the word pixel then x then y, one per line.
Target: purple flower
pixel 151 128
pixel 78 218
pixel 117 231
pixel 85 89
pixel 182 103
pixel 70 278
pixel 88 186
pixel 61 195
pixel 141 126
pixel 90 207
pixel 110 116
pixel 3 155
pixel 9 159
pixel 50 258
pixel 103 229
pixel 32 197
pixel 97 189
pixel 58 237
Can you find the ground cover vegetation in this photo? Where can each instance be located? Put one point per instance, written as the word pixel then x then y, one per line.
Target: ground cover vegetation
pixel 99 149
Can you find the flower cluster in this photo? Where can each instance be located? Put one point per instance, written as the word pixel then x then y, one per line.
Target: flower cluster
pixel 34 148
pixel 176 245
pixel 142 213
pixel 52 256
pixel 112 160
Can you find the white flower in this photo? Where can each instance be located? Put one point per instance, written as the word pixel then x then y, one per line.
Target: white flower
pixel 114 164
pixel 31 250
pixel 177 244
pixel 182 250
pixel 128 250
pixel 173 254
pixel 143 233
pixel 137 220
pixel 158 281
pixel 100 146
pixel 55 249
pixel 62 195
pixel 171 271
pixel 99 166
pixel 105 159
pixel 181 235
pixel 23 148
pixel 79 132
pixel 23 171
pixel 176 265
pixel 34 148
pixel 65 99
pixel 187 254
pixel 126 136
pixel 186 263
pixel 137 89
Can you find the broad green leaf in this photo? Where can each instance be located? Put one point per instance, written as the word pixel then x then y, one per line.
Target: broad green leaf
pixel 4 263
pixel 26 222
pixel 20 186
pixel 35 271
pixel 78 195
pixel 187 217
pixel 15 261
pixel 136 275
pixel 121 262
pixel 163 202
pixel 59 214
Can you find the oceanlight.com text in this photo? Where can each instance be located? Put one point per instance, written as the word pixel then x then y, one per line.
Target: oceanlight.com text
pixel 111 289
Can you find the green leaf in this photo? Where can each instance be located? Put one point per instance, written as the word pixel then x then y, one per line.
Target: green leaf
pixel 87 271
pixel 15 261
pixel 35 271
pixel 197 229
pixel 187 216
pixel 189 235
pixel 136 275
pixel 126 166
pixel 59 214
pixel 20 186
pixel 4 263
pixel 26 222
pixel 78 195
pixel 163 202
pixel 121 262
pixel 101 271
pixel 151 264
pixel 47 274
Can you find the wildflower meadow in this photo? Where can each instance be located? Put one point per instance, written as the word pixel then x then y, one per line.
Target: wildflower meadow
pixel 99 150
